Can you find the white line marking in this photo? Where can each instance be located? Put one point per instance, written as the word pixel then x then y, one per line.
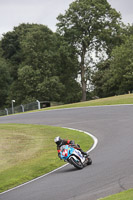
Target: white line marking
pixel 94 145
pixel 93 137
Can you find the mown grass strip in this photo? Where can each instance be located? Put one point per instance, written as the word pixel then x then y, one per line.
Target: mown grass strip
pixel 126 195
pixel 29 151
pixel 115 100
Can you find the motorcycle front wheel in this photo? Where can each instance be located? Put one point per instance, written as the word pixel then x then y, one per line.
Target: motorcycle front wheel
pixel 76 163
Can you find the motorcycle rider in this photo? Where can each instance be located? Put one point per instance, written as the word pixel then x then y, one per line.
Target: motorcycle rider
pixel 59 141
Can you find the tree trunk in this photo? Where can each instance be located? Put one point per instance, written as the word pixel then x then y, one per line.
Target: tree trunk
pixel 83 81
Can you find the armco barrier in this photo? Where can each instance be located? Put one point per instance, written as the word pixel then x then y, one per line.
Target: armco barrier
pixel 21 108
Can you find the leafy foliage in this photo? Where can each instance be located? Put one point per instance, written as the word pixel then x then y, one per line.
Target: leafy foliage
pixel 42 65
pixel 5 80
pixel 122 66
pixel 36 63
pixel 89 25
pixel 115 76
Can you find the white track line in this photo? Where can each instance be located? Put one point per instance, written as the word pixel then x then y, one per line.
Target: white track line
pixel 94 145
pixel 93 137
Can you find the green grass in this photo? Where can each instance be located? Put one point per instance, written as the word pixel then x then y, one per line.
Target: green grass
pixel 115 100
pixel 126 195
pixel 29 151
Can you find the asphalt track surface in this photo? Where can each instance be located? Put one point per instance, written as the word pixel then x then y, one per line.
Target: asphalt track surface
pixel 112 168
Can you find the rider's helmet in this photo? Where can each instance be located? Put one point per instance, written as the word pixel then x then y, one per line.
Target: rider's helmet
pixel 58 141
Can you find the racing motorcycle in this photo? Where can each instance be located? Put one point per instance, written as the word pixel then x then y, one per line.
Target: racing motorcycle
pixel 74 157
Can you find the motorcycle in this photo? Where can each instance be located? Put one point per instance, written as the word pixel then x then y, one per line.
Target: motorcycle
pixel 74 157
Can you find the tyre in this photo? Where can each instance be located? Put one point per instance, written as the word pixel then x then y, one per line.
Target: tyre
pixel 76 163
pixel 89 161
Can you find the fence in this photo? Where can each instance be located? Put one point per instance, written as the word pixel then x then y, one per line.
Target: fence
pixel 20 108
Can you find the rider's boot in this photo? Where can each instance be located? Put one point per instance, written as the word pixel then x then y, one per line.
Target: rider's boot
pixel 84 153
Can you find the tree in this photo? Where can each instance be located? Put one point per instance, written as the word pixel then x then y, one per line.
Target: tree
pixel 68 67
pixel 103 80
pixel 89 25
pixel 115 75
pixel 122 66
pixel 5 80
pixel 43 65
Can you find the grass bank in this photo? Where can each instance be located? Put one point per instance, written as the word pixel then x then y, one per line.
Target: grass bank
pixel 126 195
pixel 115 100
pixel 29 151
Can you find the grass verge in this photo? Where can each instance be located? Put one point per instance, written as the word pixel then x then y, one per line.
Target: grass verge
pixel 126 195
pixel 115 100
pixel 29 151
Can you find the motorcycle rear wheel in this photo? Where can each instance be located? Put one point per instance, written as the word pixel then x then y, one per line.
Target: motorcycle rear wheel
pixel 89 161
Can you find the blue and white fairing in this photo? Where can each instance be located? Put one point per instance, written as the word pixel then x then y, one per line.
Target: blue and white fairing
pixel 68 151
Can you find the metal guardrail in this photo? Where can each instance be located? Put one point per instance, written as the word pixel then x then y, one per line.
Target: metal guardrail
pixel 21 108
pixel 28 107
